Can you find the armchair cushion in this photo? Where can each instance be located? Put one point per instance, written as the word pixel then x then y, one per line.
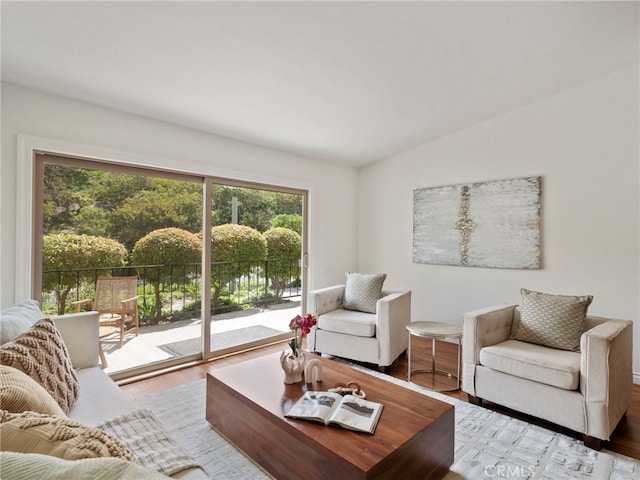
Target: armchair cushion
pixel 363 291
pixel 359 324
pixel 555 321
pixel 558 368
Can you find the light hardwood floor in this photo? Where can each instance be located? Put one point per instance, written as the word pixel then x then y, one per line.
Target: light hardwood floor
pixel 625 439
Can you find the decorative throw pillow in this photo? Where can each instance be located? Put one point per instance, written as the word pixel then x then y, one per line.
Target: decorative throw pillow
pixel 30 432
pixel 555 321
pixel 19 393
pixel 363 291
pixel 41 354
pixel 18 318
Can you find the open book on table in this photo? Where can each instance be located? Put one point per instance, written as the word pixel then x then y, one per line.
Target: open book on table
pixel 331 408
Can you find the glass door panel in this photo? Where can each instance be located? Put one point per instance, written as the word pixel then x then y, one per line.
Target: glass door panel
pixel 256 267
pixel 98 220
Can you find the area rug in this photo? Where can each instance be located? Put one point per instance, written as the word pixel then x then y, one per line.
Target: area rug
pixel 488 445
pixel 220 340
pixel 182 411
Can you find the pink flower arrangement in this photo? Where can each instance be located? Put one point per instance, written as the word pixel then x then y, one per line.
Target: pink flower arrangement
pixel 301 326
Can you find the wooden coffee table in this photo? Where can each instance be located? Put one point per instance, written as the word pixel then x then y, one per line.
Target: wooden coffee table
pixel 247 401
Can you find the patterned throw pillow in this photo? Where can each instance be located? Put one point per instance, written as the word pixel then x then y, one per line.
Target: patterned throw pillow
pixel 30 432
pixel 19 392
pixel 555 321
pixel 41 353
pixel 363 291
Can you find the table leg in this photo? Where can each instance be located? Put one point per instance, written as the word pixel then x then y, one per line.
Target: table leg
pixel 103 358
pixel 409 359
pixel 459 350
pixel 433 354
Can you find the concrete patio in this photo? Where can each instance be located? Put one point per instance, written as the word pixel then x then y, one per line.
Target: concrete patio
pixel 157 343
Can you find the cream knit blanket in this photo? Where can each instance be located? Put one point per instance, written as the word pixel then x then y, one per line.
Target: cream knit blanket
pixel 21 466
pixel 149 441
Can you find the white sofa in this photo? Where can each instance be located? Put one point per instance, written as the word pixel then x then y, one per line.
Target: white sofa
pixel 100 399
pixel 378 338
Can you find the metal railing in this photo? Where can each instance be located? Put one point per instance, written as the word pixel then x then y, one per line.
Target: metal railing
pixel 173 292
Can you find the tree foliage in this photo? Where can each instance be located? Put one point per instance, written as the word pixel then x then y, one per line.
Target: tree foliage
pixel 113 189
pixel 290 221
pixel 234 251
pixel 284 248
pixel 177 249
pixel 84 253
pixel 256 207
pixel 169 204
pixel 66 194
pixel 233 242
pixel 127 207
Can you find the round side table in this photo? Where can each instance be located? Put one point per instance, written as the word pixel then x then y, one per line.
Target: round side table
pixel 434 331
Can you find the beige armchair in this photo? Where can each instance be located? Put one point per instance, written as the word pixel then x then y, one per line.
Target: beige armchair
pixel 587 391
pixel 378 338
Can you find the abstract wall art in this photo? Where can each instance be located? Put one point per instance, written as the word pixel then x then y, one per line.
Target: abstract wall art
pixel 488 224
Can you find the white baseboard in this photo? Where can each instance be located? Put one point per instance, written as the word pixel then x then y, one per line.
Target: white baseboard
pixel 636 378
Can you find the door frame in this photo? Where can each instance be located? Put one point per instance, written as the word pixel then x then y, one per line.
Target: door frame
pixel 29 146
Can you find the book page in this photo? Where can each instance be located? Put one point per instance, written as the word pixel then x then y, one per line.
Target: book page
pixel 357 414
pixel 315 406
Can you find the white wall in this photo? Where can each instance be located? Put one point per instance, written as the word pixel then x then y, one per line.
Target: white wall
pixel 332 188
pixel 584 143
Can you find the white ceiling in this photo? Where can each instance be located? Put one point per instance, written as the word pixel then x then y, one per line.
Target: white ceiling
pixel 349 82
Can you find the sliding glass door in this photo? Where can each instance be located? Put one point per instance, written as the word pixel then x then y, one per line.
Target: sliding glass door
pixel 189 241
pixel 102 220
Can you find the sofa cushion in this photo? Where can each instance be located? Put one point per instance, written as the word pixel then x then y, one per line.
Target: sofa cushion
pixel 17 319
pixel 30 432
pixel 362 291
pixel 350 322
pixel 34 465
pixel 40 353
pixel 558 368
pixel 101 398
pixel 555 321
pixel 19 392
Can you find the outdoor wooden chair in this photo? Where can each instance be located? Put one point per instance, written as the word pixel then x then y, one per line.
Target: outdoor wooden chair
pixel 116 301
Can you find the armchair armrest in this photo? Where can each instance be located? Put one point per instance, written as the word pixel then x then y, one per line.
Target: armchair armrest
pixel 80 335
pixel 77 304
pixel 393 314
pixel 130 304
pixel 480 328
pixel 606 375
pixel 326 299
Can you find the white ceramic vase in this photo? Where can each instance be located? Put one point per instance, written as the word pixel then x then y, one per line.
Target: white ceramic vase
pixel 293 365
